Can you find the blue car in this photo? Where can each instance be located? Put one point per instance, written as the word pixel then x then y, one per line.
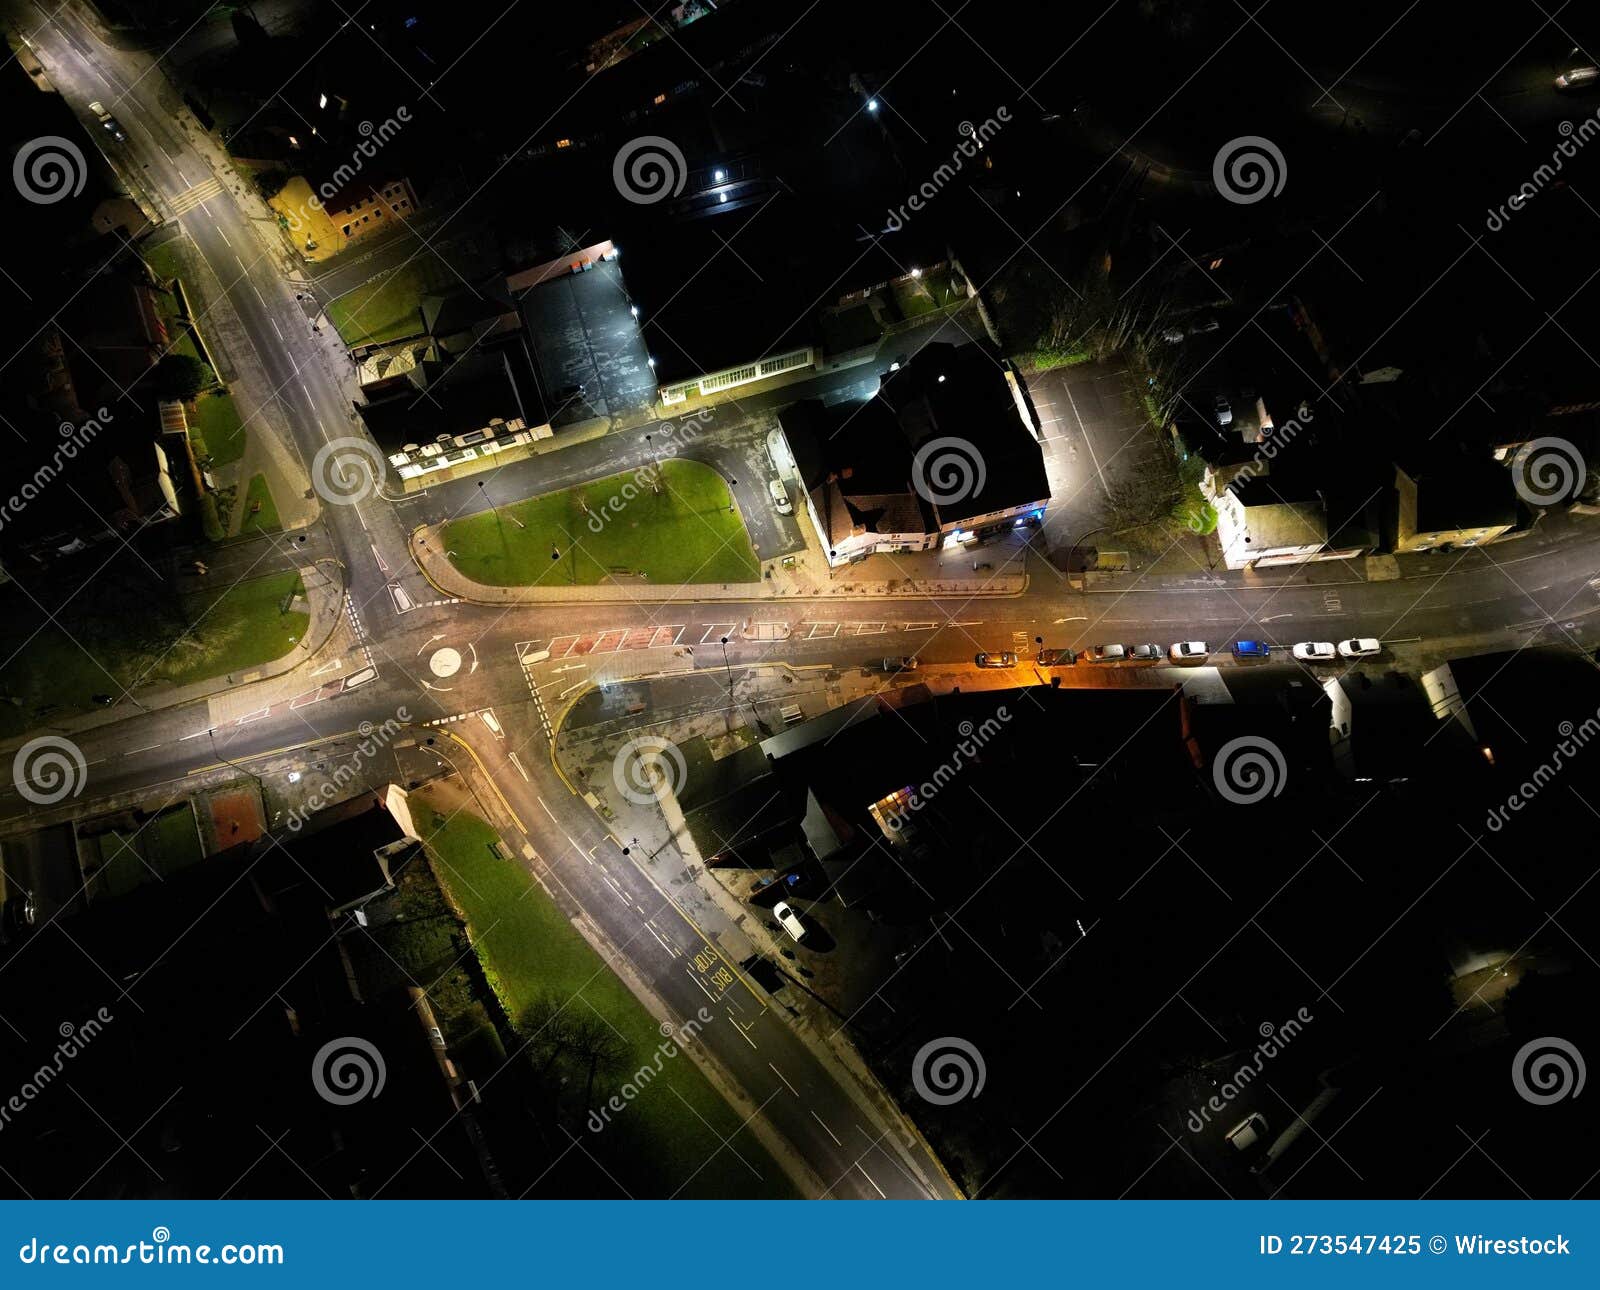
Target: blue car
pixel 1251 649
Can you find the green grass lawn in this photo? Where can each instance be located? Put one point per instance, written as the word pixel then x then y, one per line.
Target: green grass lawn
pixel 242 629
pixel 530 951
pixel 49 676
pixel 686 534
pixel 266 519
pixel 155 850
pixel 164 260
pixel 220 425
pixel 382 310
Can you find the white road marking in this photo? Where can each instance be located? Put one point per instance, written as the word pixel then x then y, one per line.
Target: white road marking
pixel 518 765
pixel 222 235
pixel 827 1130
pixel 274 323
pixel 786 1083
pixel 868 1177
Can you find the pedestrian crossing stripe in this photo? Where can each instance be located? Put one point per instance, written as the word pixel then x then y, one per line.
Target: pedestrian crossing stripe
pixel 190 198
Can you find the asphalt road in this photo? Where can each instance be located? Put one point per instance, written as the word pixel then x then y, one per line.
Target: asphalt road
pixel 1536 589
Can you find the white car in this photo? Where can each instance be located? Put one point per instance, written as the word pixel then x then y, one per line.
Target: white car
pixel 1248 1131
pixel 1315 652
pixel 783 911
pixel 1578 78
pixel 1359 647
pixel 780 497
pixel 1188 651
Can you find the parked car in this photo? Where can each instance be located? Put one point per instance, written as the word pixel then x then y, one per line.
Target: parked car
pixel 1188 651
pixel 1107 654
pixel 1315 652
pixel 1007 659
pixel 1147 654
pixel 1251 649
pixel 1056 657
pixel 1582 77
pixel 780 497
pixel 902 663
pixel 1360 647
pixel 1249 1131
pixel 783 911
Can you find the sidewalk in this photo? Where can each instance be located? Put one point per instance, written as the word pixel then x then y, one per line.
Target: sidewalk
pixel 804 576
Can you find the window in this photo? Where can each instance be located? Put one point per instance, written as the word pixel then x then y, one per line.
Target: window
pixel 563 143
pixel 660 99
pixel 347 230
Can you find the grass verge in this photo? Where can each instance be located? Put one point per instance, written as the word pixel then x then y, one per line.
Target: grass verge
pixel 530 952
pixel 688 532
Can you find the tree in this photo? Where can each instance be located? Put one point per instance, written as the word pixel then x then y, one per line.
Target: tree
pixel 177 376
pixel 269 183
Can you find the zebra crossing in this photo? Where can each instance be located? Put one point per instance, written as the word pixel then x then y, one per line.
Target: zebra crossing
pixel 195 196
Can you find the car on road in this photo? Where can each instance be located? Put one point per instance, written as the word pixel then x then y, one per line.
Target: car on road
pixel 1147 654
pixel 901 663
pixel 1057 657
pixel 1249 1131
pixel 108 123
pixel 1107 654
pixel 783 911
pixel 780 497
pixel 1251 649
pixel 1315 652
pixel 1007 659
pixel 1583 77
pixel 1360 647
pixel 1188 651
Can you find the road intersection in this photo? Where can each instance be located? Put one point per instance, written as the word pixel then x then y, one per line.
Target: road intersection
pixel 834 1132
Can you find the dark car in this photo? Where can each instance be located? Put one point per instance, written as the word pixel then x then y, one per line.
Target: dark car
pixel 1007 659
pixel 904 663
pixel 1251 649
pixel 1056 657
